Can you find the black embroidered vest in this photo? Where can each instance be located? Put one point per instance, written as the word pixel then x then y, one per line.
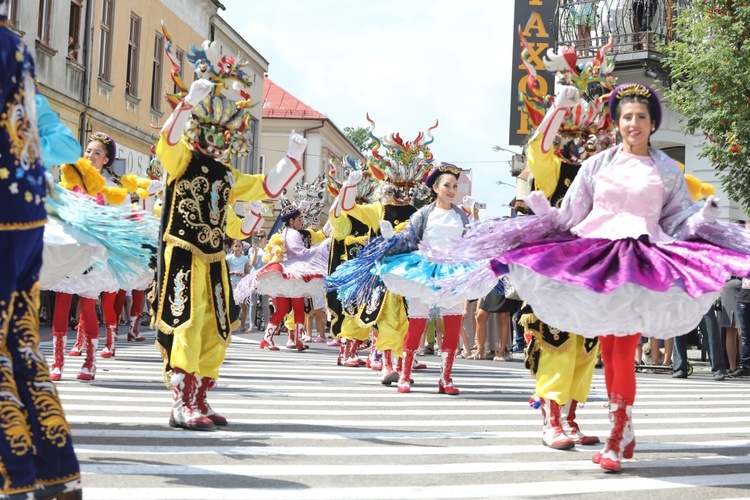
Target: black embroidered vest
pixel 195 206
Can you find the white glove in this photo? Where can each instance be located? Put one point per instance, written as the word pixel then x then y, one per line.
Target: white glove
pixel 354 177
pixel 198 91
pixel 538 203
pixel 468 203
pixel 297 145
pixel 711 210
pixel 386 229
pixel 252 207
pixel 303 206
pixel 567 96
pixel 252 219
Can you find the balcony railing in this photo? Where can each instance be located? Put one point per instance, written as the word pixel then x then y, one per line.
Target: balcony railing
pixel 637 26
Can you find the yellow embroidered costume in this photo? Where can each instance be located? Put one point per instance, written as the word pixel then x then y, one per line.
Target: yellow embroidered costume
pixel 195 312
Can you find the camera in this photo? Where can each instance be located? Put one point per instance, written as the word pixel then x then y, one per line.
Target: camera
pixel 480 205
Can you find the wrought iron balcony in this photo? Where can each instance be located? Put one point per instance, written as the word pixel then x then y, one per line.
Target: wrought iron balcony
pixel 637 26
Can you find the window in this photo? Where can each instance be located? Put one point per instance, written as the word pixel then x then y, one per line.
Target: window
pixel 131 77
pixel 45 21
pixel 74 30
pixel 105 40
pixel 179 56
pixel 157 71
pixel 13 12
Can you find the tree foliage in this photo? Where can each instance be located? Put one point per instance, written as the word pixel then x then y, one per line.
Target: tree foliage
pixel 360 137
pixel 709 69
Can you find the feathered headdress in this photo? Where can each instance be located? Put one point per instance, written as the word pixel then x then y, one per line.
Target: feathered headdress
pixel 586 128
pixel 340 168
pixel 308 200
pixel 218 124
pixel 403 166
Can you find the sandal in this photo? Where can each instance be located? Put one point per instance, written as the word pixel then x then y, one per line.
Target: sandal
pixel 429 350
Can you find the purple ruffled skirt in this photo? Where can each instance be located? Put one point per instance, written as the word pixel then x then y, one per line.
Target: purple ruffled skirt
pixel 596 287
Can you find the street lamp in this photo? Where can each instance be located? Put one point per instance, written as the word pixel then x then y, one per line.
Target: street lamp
pixel 497 148
pixel 516 164
pixel 505 184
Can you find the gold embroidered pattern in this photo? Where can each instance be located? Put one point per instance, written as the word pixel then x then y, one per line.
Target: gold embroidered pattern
pixel 192 194
pixel 24 141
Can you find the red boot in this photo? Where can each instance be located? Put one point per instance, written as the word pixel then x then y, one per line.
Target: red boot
pixel 389 374
pixel 299 333
pixel 570 427
pixel 342 352
pixel 133 334
pixel 109 345
pixel 267 341
pixel 205 384
pixel 58 351
pixel 88 370
pixel 80 340
pixel 404 380
pixel 374 361
pixel 552 431
pixel 445 384
pixel 185 412
pixel 352 360
pixel 621 441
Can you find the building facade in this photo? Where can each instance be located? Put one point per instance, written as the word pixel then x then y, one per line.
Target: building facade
pixel 636 35
pixel 102 64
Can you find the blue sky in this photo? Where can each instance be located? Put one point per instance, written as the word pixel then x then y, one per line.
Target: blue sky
pixel 407 63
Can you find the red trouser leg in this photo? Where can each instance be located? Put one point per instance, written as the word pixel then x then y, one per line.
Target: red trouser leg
pixel 414 333
pixel 452 329
pixel 281 307
pixel 619 373
pixel 62 310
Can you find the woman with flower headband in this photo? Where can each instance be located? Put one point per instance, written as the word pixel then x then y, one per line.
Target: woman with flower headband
pixel 85 176
pixel 294 270
pixel 628 252
pixel 406 272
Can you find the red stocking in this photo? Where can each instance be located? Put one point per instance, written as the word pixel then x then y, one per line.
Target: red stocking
pixel 414 334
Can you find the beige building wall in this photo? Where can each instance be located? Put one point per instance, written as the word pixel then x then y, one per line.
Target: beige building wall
pixel 130 119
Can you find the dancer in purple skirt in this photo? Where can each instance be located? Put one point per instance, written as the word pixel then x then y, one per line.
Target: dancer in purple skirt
pixel 628 252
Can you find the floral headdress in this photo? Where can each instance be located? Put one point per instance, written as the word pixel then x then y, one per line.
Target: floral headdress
pixel 218 124
pixel 587 127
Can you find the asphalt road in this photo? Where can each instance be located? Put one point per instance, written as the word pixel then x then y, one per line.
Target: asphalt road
pixel 302 427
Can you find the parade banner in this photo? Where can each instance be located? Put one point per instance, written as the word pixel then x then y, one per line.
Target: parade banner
pixel 535 19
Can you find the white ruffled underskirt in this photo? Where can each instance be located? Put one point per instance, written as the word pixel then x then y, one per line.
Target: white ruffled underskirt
pixel 628 310
pixel 140 282
pixel 274 283
pixel 443 299
pixel 90 285
pixel 67 252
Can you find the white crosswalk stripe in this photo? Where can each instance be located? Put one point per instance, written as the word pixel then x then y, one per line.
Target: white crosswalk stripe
pixel 301 427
